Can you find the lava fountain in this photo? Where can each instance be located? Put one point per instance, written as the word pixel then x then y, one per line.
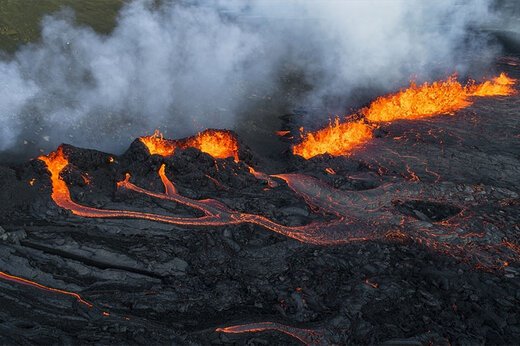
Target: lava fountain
pixel 335 139
pixel 415 102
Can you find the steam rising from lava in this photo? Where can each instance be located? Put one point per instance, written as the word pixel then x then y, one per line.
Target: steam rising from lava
pixel 187 66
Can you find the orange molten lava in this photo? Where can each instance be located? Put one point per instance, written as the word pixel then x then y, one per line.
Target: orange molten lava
pixel 217 143
pixel 23 281
pixel 498 86
pixel 360 216
pixel 306 336
pixel 336 139
pixel 442 97
pixel 415 102
pixel 56 162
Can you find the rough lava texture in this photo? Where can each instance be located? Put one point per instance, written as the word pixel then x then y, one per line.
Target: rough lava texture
pixel 164 284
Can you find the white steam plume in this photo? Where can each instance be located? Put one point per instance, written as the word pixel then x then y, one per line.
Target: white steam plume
pixel 188 66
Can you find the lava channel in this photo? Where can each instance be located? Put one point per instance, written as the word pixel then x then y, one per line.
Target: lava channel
pixel 360 215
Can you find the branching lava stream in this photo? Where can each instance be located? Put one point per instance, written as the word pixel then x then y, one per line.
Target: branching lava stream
pixel 360 215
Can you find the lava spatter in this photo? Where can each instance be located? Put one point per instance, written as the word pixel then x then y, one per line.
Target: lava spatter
pixel 220 144
pixel 336 139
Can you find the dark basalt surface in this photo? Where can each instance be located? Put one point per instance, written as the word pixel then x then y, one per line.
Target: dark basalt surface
pixel 165 284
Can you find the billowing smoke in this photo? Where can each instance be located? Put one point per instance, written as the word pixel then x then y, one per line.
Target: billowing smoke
pixel 184 67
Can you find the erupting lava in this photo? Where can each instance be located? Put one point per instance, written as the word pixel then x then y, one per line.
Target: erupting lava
pixel 220 144
pixel 415 102
pixel 443 97
pixel 336 139
pixel 498 86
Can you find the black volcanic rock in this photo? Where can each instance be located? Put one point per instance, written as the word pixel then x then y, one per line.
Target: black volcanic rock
pixel 166 284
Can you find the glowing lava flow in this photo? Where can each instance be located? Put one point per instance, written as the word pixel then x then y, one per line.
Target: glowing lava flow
pixel 306 336
pixel 360 215
pixel 218 143
pixel 215 212
pixel 415 102
pixel 23 281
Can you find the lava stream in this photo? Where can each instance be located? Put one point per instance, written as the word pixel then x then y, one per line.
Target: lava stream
pixel 306 336
pixel 20 280
pixel 415 102
pixel 360 215
pixel 215 212
pixel 220 144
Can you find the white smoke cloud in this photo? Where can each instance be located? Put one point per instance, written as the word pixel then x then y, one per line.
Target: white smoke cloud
pixel 15 93
pixel 189 66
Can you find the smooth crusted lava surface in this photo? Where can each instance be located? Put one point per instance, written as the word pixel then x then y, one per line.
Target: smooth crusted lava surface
pixel 411 239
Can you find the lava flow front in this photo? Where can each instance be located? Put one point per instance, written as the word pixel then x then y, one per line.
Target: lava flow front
pixel 220 144
pixel 415 102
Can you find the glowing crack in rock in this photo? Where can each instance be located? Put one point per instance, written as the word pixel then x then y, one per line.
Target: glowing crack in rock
pixel 26 282
pixel 415 102
pixel 306 336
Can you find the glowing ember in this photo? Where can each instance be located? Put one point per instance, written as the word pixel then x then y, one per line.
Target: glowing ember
pixel 330 171
pixel 415 102
pixel 217 143
pixel 336 139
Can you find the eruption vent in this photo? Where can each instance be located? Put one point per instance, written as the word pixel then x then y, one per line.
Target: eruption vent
pixel 220 144
pixel 415 102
